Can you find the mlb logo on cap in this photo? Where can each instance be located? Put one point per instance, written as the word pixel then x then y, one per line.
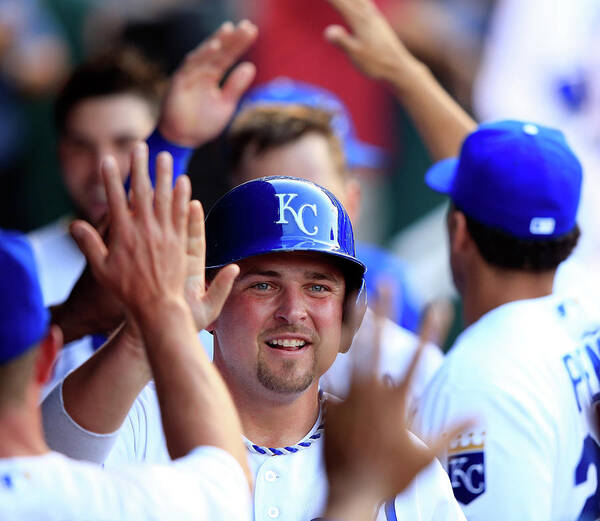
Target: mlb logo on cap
pixel 514 176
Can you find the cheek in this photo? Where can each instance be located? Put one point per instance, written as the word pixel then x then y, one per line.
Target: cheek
pixel 124 162
pixel 239 319
pixel 77 171
pixel 328 322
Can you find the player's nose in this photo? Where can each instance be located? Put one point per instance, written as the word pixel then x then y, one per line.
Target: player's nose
pixel 291 307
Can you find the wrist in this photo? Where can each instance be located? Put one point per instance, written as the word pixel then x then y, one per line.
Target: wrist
pixel 175 138
pixel 161 313
pixel 350 505
pixel 157 143
pixel 408 75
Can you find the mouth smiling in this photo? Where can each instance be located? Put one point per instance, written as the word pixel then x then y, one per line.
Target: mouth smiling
pixel 287 344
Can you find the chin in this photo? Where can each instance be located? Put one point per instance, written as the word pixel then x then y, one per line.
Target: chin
pixel 284 383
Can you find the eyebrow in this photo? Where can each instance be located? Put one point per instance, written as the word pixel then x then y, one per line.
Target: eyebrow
pixel 309 275
pixel 260 273
pixel 317 275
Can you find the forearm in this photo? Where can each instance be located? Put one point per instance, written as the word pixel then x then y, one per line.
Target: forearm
pixel 440 120
pixel 99 394
pixel 350 505
pixel 64 435
pixel 195 404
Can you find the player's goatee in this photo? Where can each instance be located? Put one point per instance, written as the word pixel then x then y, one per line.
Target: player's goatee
pixel 288 379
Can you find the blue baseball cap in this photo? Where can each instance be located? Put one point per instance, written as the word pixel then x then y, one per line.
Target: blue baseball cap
pixel 286 91
pixel 515 176
pixel 24 319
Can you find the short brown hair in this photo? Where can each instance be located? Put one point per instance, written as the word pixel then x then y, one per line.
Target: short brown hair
pixel 503 250
pixel 118 71
pixel 270 126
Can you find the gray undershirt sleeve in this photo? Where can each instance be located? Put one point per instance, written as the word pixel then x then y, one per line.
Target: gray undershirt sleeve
pixel 64 435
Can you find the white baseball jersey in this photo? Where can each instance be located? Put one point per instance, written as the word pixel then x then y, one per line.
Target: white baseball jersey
pixel 528 371
pixel 398 347
pixel 58 260
pixel 290 482
pixel 207 484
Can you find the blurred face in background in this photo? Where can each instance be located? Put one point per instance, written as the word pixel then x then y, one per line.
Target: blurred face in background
pixel 96 127
pixel 309 157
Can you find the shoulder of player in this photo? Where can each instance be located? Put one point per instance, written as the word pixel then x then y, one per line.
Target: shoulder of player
pixel 53 233
pixel 428 496
pixel 521 327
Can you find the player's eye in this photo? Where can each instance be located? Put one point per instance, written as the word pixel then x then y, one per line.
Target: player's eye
pixel 318 288
pixel 261 286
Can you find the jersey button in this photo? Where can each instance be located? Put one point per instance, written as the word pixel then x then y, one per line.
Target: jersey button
pixel 270 476
pixel 273 512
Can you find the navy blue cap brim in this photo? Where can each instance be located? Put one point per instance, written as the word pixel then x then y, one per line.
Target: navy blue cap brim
pixel 440 177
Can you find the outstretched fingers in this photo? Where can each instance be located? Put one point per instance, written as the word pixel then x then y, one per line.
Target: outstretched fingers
pixel 425 335
pixel 91 245
pixel 163 194
pixel 218 291
pixel 238 81
pixel 181 205
pixel 224 47
pixel 439 445
pixel 118 208
pixel 196 245
pixel 235 41
pixel 340 37
pixel 141 188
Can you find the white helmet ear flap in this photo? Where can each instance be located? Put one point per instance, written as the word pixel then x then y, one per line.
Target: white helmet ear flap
pixel 355 307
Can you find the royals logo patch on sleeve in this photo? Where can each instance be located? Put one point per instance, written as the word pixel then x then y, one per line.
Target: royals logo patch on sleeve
pixel 466 466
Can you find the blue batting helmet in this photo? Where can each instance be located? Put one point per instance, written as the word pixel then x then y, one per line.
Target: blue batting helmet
pixel 282 214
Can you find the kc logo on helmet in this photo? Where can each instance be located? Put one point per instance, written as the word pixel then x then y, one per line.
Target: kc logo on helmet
pixel 298 215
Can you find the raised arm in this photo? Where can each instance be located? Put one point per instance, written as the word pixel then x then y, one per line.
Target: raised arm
pixel 198 105
pixel 376 50
pixel 370 455
pixel 145 265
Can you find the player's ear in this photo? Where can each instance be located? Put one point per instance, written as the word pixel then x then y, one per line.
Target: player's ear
pixel 458 233
pixel 48 350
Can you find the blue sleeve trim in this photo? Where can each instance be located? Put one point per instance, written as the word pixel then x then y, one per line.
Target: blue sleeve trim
pixel 157 144
pixel 390 510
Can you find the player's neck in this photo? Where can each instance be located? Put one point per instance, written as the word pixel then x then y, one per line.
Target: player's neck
pixel 21 432
pixel 273 421
pixel 491 288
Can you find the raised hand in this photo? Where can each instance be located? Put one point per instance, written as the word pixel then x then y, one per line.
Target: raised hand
pixel 373 45
pixel 144 260
pixel 376 50
pixel 196 108
pixel 369 453
pixel 205 304
pixel 89 309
